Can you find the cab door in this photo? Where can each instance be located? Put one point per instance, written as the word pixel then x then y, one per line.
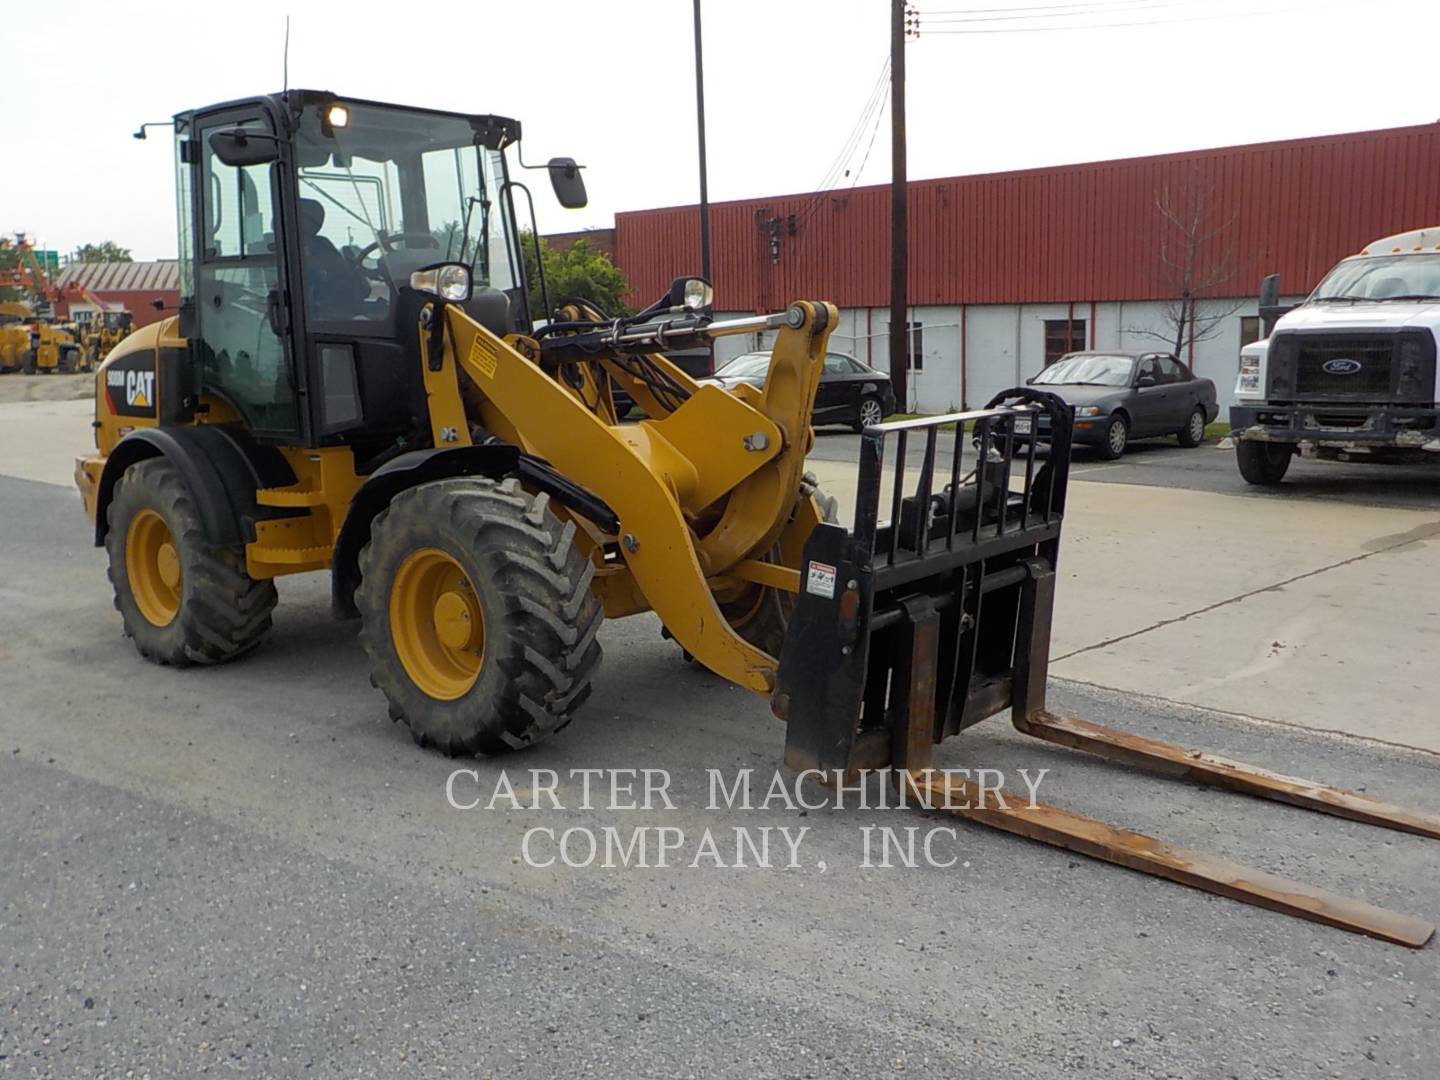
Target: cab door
pixel 243 349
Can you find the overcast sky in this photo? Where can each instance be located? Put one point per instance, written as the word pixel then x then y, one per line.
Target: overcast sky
pixel 612 84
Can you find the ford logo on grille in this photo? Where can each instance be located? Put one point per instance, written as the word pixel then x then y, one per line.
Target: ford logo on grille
pixel 1341 365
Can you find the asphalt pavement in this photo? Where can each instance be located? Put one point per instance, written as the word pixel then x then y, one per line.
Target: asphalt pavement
pixel 249 870
pixel 1208 467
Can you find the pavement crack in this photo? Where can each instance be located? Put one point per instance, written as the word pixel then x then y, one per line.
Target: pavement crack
pixel 1415 536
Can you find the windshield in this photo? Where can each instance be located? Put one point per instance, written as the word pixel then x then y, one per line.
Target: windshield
pixel 391 191
pixel 1383 277
pixel 755 363
pixel 1087 370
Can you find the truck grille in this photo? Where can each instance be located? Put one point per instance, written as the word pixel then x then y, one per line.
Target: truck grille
pixel 1328 369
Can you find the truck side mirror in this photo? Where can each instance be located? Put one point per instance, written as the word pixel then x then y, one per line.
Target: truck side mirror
pixel 569 185
pixel 1270 308
pixel 1270 291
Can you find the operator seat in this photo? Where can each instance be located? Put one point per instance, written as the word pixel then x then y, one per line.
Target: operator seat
pixel 336 286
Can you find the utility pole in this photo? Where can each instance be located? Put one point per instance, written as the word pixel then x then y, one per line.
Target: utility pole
pixel 700 123
pixel 899 238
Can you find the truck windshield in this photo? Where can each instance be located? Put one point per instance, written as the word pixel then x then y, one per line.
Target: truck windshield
pixel 384 192
pixel 1382 277
pixel 1087 370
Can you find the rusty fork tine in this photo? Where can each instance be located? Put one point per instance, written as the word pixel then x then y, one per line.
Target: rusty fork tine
pixel 1222 772
pixel 1086 836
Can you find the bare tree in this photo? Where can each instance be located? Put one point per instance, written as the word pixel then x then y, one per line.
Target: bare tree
pixel 1194 262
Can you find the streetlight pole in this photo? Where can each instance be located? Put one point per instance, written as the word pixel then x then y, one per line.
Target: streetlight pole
pixel 899 237
pixel 700 123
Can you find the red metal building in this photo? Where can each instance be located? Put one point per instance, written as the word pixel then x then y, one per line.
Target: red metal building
pixel 132 287
pixel 1070 233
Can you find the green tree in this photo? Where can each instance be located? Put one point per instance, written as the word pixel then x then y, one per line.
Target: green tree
pixel 579 271
pixel 106 251
pixel 9 266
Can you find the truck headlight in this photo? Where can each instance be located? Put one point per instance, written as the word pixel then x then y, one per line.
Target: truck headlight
pixel 1248 381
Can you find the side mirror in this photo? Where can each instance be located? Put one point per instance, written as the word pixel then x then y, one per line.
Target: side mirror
pixel 1270 307
pixel 1270 291
pixel 1144 381
pixel 448 281
pixel 569 185
pixel 240 147
pixel 694 294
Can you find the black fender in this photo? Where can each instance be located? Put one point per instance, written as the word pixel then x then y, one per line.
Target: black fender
pixel 493 459
pixel 222 467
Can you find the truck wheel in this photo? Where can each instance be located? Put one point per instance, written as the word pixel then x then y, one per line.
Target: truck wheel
pixel 67 365
pixel 27 365
pixel 1193 433
pixel 1263 463
pixel 182 601
pixel 477 615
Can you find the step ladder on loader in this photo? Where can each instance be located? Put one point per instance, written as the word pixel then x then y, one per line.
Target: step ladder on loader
pixel 910 631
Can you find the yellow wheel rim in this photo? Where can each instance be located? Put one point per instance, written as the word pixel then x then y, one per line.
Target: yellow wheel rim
pixel 152 566
pixel 437 624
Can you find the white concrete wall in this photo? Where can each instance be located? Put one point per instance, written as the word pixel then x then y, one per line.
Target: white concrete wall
pixel 1005 345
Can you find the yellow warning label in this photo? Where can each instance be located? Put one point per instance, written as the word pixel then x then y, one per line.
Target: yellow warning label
pixel 483 357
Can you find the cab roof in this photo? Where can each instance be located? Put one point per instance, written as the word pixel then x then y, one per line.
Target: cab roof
pixel 1406 243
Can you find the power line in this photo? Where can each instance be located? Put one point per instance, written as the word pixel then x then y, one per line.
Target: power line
pixel 1057 8
pixel 873 108
pixel 1062 27
pixel 957 17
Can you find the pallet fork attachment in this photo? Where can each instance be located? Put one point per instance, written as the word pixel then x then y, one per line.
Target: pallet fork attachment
pixel 907 632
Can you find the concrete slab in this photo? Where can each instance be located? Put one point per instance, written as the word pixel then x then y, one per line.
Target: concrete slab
pixel 1302 611
pixel 40 440
pixel 1305 612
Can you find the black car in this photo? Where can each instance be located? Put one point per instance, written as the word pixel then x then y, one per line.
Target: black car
pixel 849 393
pixel 1119 396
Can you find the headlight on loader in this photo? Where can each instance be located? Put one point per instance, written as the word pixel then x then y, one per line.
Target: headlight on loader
pixel 448 281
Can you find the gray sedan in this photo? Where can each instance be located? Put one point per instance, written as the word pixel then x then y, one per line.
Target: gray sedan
pixel 1119 396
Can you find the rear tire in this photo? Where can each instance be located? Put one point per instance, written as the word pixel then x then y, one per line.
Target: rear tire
pixel 1117 437
pixel 1193 433
pixel 477 615
pixel 182 601
pixel 27 365
pixel 1263 464
pixel 68 362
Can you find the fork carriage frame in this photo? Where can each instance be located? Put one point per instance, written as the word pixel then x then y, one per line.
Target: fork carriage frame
pixel 908 632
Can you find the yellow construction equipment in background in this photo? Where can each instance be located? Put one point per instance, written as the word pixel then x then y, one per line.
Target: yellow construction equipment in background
pixel 355 384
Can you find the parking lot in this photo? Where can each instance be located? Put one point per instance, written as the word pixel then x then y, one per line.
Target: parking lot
pixel 250 870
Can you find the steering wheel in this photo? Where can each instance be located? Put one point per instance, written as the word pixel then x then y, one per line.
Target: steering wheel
pixel 388 242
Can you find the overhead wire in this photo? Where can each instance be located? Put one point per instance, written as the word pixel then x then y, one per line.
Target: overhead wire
pixel 952 30
pixel 839 168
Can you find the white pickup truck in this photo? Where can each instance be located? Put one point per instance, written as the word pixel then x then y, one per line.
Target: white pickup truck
pixel 1350 373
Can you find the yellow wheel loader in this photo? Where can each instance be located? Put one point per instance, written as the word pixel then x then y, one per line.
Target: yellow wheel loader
pixel 354 383
pixel 53 349
pixel 14 335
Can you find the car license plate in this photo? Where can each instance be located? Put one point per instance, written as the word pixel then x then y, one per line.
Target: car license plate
pixel 1022 425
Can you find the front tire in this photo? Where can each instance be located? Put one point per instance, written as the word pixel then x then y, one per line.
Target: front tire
pixel 1263 464
pixel 181 600
pixel 27 365
pixel 868 413
pixel 1193 433
pixel 1117 437
pixel 477 615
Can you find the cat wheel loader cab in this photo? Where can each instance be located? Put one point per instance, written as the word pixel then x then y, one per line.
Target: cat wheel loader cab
pixel 354 384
